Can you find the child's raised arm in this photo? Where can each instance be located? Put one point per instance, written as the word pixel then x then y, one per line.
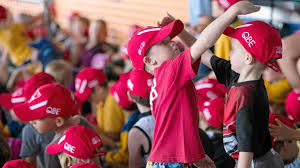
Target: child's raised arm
pixel 213 31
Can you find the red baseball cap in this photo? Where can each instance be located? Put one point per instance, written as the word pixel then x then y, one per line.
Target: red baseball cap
pixel 86 80
pixel 292 105
pixel 50 100
pixel 208 89
pixel 9 100
pixel 261 40
pixel 145 38
pixel 86 165
pixel 37 80
pixel 3 13
pixel 119 91
pixel 227 3
pixel 213 111
pixel 139 83
pixel 78 141
pixel 17 164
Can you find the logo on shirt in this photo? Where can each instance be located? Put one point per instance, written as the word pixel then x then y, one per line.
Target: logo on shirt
pixel 69 147
pixel 248 38
pixel 141 47
pixel 53 110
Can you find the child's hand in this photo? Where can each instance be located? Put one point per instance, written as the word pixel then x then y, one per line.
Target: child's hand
pixel 244 7
pixel 205 163
pixel 166 20
pixel 281 132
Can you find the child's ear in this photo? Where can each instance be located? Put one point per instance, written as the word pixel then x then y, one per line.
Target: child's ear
pixel 249 59
pixel 69 161
pixel 59 121
pixel 148 61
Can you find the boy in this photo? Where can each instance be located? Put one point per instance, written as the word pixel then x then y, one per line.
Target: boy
pixel 173 97
pixel 51 108
pixel 78 144
pixel 141 135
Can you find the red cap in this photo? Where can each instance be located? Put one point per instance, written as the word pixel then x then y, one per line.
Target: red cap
pixel 139 83
pixel 37 80
pixel 227 3
pixel 86 165
pixel 86 80
pixel 292 105
pixel 208 89
pixel 50 100
pixel 9 100
pixel 213 111
pixel 78 141
pixel 145 38
pixel 17 164
pixel 119 91
pixel 3 13
pixel 261 40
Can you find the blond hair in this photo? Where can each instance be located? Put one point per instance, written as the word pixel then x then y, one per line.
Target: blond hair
pixel 61 70
pixel 64 163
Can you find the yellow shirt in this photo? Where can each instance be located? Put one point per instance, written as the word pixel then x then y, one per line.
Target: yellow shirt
pixel 110 116
pixel 223 45
pixel 277 92
pixel 122 155
pixel 15 41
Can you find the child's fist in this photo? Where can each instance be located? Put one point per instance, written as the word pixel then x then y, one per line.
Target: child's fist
pixel 244 7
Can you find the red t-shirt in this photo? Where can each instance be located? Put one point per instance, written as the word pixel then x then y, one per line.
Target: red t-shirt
pixel 174 106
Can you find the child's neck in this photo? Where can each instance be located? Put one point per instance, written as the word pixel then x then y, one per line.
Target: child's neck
pixel 67 124
pixel 143 109
pixel 249 74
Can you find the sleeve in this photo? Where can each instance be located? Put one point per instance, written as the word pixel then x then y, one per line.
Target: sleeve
pixel 52 161
pixel 113 117
pixel 180 68
pixel 29 145
pixel 294 164
pixel 245 129
pixel 222 69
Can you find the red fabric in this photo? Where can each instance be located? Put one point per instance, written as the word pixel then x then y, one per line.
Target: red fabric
pixel 17 164
pixel 139 83
pixel 78 141
pixel 227 3
pixel 119 91
pixel 213 111
pixel 173 100
pixel 50 100
pixel 145 38
pixel 86 80
pixel 35 82
pixel 85 165
pixel 261 40
pixel 3 13
pixel 292 105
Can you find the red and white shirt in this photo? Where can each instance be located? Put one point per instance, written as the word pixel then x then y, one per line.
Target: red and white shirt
pixel 174 106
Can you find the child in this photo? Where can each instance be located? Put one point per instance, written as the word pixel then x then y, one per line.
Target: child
pixel 17 164
pixel 51 108
pixel 77 144
pixel 173 97
pixel 245 133
pixel 141 135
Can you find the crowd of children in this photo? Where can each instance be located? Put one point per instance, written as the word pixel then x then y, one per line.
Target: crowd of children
pixel 163 99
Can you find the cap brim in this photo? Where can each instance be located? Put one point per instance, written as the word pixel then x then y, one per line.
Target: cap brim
pixel 53 149
pixel 229 31
pixel 83 96
pixel 23 112
pixel 171 30
pixel 274 65
pixel 5 100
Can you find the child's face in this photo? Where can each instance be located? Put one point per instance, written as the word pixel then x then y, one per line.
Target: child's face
pixel 237 55
pixel 289 151
pixel 44 125
pixel 217 9
pixel 98 94
pixel 163 51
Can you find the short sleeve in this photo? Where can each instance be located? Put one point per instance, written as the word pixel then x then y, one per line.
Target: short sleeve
pixel 245 129
pixel 29 146
pixel 222 69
